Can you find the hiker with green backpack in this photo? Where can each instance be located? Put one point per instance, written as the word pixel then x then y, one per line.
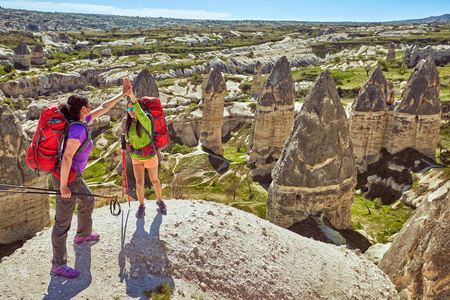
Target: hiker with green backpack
pixel 146 131
pixel 67 178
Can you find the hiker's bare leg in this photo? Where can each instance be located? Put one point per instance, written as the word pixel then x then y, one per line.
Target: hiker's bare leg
pixel 139 174
pixel 153 174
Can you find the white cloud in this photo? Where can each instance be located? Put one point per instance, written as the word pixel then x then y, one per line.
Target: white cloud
pixel 111 10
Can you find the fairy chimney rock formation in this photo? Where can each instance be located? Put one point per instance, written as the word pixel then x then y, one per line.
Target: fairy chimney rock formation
pixel 316 172
pixel 416 117
pixel 21 215
pixel 273 121
pixel 391 53
pixel 37 55
pixel 368 119
pixel 22 57
pixel 145 85
pixel 212 120
pixel 205 79
pixel 418 262
pixel 256 83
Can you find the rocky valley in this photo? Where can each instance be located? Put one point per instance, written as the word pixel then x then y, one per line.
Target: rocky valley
pixel 307 161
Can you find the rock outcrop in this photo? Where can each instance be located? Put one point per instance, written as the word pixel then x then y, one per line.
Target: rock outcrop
pixel 55 82
pixel 212 121
pixel 378 122
pixel 427 183
pixel 418 262
pixel 200 248
pixel 412 55
pixel 145 85
pixel 316 172
pixel 37 55
pixel 391 176
pixel 415 120
pixel 22 57
pixel 391 53
pixel 185 129
pixel 256 83
pixel 274 118
pixel 21 215
pixel 368 119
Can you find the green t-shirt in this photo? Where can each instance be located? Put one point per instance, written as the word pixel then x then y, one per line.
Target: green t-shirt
pixel 144 140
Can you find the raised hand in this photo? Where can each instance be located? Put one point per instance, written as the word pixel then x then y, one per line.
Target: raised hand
pixel 127 88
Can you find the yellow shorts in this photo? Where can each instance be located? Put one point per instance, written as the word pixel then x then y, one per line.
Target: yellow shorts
pixel 148 163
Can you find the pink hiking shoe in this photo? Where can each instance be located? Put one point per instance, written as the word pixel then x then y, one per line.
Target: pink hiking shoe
pixel 162 207
pixel 64 271
pixel 93 237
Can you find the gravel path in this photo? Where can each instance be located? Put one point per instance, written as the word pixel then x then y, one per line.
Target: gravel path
pixel 204 250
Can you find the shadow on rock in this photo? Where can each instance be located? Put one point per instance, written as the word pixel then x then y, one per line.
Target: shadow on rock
pixel 218 162
pixel 143 261
pixel 63 288
pixel 319 228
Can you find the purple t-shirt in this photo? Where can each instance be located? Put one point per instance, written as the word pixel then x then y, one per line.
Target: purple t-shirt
pixel 78 132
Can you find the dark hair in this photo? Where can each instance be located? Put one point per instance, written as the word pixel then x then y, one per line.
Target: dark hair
pixel 73 107
pixel 138 124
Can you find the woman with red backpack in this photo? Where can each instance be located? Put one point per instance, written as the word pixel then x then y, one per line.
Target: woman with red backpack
pixel 67 179
pixel 137 129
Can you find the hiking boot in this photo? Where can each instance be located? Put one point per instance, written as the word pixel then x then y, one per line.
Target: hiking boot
pixel 93 237
pixel 64 271
pixel 141 211
pixel 162 207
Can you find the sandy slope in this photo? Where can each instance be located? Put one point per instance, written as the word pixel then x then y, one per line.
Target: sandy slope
pixel 203 249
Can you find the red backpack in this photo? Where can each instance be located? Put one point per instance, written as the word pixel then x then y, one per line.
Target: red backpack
pixel 159 138
pixel 44 152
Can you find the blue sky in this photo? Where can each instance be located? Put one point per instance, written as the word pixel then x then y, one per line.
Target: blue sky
pixel 300 10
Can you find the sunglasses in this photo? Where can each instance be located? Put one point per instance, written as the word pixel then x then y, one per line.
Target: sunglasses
pixel 130 109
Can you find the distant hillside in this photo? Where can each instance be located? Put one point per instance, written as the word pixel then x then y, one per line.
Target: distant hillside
pixel 443 18
pixel 15 19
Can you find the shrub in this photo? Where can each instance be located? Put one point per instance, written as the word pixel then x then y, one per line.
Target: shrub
pixel 177 186
pixel 245 86
pixel 161 292
pixel 403 69
pixel 9 68
pixel 383 65
pixel 177 148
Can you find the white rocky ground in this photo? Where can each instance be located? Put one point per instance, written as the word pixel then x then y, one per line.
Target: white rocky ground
pixel 204 250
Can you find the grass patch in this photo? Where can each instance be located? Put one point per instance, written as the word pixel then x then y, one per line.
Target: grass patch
pixel 161 292
pixel 379 221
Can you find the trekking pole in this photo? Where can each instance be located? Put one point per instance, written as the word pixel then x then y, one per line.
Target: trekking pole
pixel 124 167
pixel 40 191
pixel 46 191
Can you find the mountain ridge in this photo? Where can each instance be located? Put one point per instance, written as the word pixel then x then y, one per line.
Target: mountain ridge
pixel 17 19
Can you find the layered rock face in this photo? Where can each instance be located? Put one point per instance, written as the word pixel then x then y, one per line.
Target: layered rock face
pixel 186 129
pixel 205 79
pixel 256 83
pixel 368 119
pixel 316 172
pixel 21 215
pixel 212 121
pixel 22 57
pixel 145 85
pixel 418 262
pixel 414 54
pixel 415 120
pixel 37 55
pixel 274 118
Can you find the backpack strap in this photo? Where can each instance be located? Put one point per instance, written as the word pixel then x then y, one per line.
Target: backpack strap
pixel 86 143
pixel 139 151
pixel 88 137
